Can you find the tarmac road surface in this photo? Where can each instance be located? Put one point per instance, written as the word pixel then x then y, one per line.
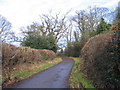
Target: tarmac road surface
pixel 55 77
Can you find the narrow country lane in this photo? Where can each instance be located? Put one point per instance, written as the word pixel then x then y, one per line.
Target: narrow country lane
pixel 55 77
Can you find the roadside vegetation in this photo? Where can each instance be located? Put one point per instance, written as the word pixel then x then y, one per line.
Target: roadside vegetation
pixel 101 55
pixel 78 78
pixel 21 62
pixel 90 22
pixel 17 74
pixel 92 34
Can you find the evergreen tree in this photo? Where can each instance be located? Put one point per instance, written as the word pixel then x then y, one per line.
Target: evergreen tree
pixel 103 26
pixel 39 42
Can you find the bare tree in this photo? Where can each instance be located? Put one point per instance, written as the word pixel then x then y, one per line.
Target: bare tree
pixel 49 25
pixel 88 20
pixel 55 25
pixel 6 34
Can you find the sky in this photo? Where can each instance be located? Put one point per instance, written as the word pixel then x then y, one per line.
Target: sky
pixel 23 12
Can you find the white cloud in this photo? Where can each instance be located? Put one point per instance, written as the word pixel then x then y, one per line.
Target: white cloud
pixel 111 3
pixel 23 12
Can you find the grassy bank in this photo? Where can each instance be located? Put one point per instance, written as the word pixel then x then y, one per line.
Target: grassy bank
pixel 17 75
pixel 77 78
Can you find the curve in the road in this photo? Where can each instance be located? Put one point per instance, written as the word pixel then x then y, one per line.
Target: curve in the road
pixel 55 77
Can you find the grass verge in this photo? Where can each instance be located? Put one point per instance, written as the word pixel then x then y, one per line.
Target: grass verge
pixel 77 78
pixel 17 75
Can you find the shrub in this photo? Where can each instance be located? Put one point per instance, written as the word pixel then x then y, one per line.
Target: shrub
pixel 13 57
pixel 99 61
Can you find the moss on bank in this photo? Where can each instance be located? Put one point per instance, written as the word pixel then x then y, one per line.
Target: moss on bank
pixel 77 78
